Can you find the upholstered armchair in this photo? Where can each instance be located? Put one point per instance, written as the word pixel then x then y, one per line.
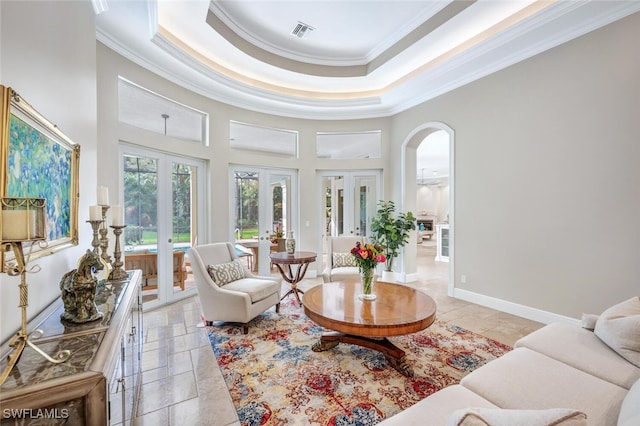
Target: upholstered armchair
pixel 341 264
pixel 228 291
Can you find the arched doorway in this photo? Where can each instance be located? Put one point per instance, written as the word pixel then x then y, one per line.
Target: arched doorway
pixel 409 184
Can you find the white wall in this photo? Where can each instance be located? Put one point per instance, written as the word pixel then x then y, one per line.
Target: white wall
pixel 48 57
pixel 434 200
pixel 218 154
pixel 547 183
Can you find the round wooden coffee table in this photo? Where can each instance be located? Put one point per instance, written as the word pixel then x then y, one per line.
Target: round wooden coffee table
pixel 397 310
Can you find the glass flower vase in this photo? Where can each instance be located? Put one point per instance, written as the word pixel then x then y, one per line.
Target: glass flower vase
pixel 366 277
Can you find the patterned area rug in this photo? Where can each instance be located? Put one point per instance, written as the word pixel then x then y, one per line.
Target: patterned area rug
pixel 274 377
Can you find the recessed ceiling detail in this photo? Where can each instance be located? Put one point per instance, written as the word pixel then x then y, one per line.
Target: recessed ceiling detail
pixel 362 59
pixel 330 50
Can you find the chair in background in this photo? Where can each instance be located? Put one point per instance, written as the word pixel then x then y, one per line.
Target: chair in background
pixel 228 291
pixel 245 253
pixel 147 262
pixel 341 264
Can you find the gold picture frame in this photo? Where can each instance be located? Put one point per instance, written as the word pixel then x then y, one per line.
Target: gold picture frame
pixel 38 160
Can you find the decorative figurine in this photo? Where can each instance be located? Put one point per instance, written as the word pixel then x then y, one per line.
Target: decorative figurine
pixel 78 289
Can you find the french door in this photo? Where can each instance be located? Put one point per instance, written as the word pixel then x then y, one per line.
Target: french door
pixel 348 203
pixel 163 195
pixel 264 203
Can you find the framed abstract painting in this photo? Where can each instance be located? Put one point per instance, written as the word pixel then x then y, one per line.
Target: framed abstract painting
pixel 38 160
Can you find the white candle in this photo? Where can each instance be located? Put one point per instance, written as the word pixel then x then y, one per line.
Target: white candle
pixel 95 212
pixel 18 225
pixel 118 216
pixel 103 196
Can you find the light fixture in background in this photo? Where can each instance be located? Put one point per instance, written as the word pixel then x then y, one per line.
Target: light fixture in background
pixel 165 116
pixel 23 221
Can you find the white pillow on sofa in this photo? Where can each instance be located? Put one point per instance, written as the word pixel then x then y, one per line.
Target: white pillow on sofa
pixel 619 328
pixel 630 409
pixel 589 321
pixel 507 417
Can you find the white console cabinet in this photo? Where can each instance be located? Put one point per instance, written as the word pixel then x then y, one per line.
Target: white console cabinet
pixel 442 232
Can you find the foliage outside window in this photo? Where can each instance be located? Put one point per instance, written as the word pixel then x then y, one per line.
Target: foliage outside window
pixel 141 195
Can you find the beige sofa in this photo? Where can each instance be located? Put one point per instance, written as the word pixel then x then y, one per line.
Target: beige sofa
pixel 558 366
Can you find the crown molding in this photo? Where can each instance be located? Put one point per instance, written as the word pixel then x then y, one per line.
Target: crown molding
pixel 552 26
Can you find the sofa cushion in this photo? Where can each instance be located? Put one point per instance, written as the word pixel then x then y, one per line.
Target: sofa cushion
pixel 437 408
pixel 225 273
pixel 340 260
pixel 630 410
pixel 348 272
pixel 580 348
pixel 525 379
pixel 619 327
pixel 257 288
pixel 503 417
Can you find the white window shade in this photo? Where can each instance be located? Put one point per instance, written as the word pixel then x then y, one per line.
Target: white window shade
pixel 349 145
pixel 263 139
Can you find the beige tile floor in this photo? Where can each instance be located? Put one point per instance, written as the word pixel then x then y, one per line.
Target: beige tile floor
pixel 181 381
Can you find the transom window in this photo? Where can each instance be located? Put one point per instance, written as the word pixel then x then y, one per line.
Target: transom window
pixel 349 145
pixel 147 110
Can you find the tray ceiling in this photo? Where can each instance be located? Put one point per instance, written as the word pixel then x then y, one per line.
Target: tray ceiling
pixel 326 59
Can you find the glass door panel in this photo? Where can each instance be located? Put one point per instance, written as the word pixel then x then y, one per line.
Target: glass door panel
pixel 184 183
pixel 366 199
pixel 140 178
pixel 263 212
pixel 246 196
pixel 348 203
pixel 161 201
pixel 333 206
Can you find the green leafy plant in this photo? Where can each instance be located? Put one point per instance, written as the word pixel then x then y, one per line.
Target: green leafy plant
pixel 391 230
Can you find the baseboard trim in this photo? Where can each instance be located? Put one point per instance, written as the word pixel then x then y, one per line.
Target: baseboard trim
pixel 407 278
pixel 512 308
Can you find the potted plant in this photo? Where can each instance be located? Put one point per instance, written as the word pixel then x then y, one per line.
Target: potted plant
pixel 391 230
pixel 278 238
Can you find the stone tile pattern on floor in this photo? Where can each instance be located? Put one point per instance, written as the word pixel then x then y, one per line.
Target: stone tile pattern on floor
pixel 181 381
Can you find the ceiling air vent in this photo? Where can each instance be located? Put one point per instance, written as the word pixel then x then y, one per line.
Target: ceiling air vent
pixel 300 29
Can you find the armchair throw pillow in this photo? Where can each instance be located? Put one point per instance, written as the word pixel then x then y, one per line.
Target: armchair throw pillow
pixel 341 260
pixel 619 328
pixel 224 273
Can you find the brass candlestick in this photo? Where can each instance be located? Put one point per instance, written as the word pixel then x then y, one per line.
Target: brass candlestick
pixel 104 239
pixel 95 243
pixel 118 273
